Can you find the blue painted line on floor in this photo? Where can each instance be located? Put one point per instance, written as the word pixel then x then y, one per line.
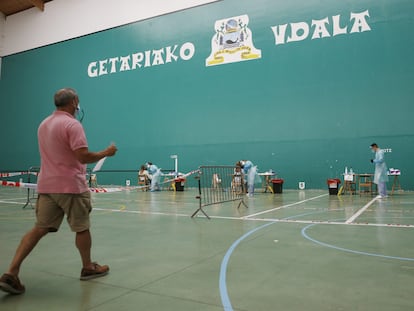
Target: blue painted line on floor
pixel 305 235
pixel 225 300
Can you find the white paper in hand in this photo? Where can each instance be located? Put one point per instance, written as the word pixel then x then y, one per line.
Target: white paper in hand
pixel 99 165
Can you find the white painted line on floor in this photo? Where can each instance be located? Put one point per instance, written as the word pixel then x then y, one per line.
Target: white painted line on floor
pixel 284 206
pixel 356 215
pixel 327 222
pixel 123 210
pixel 281 220
pixel 11 202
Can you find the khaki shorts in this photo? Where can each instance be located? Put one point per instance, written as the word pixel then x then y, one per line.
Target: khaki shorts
pixel 51 208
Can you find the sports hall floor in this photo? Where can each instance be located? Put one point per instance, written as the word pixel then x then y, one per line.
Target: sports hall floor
pixel 299 250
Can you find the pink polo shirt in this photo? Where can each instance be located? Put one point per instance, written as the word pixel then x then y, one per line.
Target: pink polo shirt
pixel 60 172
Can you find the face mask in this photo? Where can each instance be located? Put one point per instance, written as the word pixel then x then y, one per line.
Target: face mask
pixel 79 114
pixel 77 110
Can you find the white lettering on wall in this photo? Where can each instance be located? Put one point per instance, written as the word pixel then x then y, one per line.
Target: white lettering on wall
pixel 280 33
pixel 102 67
pixel 113 62
pixel 337 30
pixel 170 56
pixel 141 60
pixel 92 70
pixel 157 56
pixel 125 63
pixel 321 28
pixel 360 23
pixel 298 31
pixel 187 51
pixel 137 58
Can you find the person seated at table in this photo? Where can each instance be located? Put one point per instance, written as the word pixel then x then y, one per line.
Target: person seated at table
pixel 144 177
pixel 237 183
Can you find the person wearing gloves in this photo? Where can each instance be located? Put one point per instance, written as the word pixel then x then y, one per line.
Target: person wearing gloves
pixel 155 174
pixel 380 175
pixel 250 171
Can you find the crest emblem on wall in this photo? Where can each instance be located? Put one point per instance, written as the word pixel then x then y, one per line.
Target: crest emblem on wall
pixel 232 42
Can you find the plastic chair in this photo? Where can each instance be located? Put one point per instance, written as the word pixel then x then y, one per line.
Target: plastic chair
pixel 93 181
pixel 144 182
pixel 216 182
pixel 365 184
pixel 349 184
pixel 237 183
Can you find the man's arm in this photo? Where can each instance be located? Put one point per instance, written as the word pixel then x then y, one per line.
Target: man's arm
pixel 86 157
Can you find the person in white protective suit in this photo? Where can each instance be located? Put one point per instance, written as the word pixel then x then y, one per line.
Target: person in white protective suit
pixel 250 171
pixel 381 171
pixel 155 174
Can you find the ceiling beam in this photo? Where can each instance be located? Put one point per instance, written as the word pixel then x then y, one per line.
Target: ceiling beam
pixel 39 4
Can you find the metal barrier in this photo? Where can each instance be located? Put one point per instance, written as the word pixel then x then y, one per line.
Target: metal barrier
pixel 219 184
pixel 31 187
pixel 33 170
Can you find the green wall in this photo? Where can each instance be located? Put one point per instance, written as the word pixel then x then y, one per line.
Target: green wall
pixel 306 109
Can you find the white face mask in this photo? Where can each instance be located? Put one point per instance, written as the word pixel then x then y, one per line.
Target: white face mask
pixel 79 114
pixel 77 110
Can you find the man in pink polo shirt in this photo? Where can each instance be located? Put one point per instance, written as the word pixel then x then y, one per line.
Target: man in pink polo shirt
pixel 62 188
